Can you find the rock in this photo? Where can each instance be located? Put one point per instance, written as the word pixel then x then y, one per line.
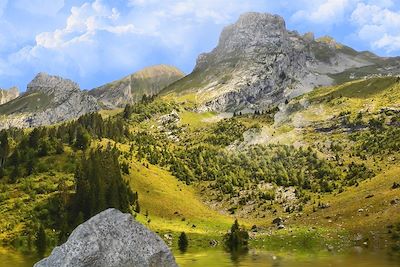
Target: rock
pixel 358 237
pixel 168 237
pixel 277 221
pixel 258 62
pixel 8 95
pixel 395 201
pixel 360 210
pixel 57 100
pixel 280 227
pixel 213 243
pixel 111 239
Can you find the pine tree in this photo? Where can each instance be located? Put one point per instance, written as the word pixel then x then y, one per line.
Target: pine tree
pixel 82 138
pixel 41 242
pixel 183 242
pixel 237 238
pixel 4 148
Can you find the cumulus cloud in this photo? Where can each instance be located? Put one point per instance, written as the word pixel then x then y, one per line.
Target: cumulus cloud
pixel 100 37
pixel 83 24
pixel 327 12
pixel 378 25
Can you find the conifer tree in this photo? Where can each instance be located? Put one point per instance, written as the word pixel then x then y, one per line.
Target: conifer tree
pixel 41 242
pixel 183 242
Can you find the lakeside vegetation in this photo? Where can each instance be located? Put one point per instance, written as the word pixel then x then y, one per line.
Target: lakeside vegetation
pixel 176 177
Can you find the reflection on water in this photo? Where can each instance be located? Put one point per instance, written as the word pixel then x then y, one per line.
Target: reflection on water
pixel 216 257
pixel 220 258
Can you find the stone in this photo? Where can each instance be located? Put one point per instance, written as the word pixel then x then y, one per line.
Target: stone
pixel 277 221
pixel 110 239
pixel 213 243
pixel 8 95
pixel 280 227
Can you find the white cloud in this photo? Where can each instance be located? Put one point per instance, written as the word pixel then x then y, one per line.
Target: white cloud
pixel 83 24
pixel 40 7
pixel 378 25
pixel 326 12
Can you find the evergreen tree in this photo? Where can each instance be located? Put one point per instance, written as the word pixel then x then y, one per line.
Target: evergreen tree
pixel 237 238
pixel 41 242
pixel 82 138
pixel 4 148
pixel 183 242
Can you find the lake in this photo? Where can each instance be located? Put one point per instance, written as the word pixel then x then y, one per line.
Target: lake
pixel 219 258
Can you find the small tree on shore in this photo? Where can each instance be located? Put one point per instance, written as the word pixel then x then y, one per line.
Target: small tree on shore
pixel 41 242
pixel 237 239
pixel 183 242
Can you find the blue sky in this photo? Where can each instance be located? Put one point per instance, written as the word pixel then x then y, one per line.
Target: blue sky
pixel 97 41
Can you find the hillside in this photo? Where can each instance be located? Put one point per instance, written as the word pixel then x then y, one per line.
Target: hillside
pixel 258 63
pixel 47 100
pixel 8 95
pixel 326 160
pixel 146 82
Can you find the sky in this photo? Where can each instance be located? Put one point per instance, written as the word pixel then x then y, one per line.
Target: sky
pixel 97 41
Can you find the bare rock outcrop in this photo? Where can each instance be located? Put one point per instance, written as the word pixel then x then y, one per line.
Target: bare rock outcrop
pixel 111 239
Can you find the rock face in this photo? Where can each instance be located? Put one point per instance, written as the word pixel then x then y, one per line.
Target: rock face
pixel 111 239
pixel 258 62
pixel 8 95
pixel 149 81
pixel 48 100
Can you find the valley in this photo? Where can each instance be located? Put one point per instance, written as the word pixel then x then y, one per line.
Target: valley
pixel 306 159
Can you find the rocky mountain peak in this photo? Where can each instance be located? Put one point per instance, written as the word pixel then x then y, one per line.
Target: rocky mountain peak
pixel 49 84
pixel 251 31
pixel 259 63
pixel 7 95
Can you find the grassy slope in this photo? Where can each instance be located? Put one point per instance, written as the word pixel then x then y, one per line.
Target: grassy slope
pixel 168 201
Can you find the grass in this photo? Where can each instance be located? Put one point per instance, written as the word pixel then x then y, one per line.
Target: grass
pixel 172 205
pixel 194 119
pixel 29 102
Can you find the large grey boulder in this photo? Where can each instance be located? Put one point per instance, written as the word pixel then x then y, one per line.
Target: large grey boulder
pixel 111 238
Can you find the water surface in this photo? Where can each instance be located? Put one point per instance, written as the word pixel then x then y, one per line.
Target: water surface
pixel 217 257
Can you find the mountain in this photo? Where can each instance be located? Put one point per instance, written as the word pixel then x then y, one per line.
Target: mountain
pixel 259 62
pixel 8 95
pixel 48 100
pixel 131 89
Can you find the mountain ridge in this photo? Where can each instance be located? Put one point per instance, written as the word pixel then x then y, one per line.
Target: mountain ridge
pixel 258 63
pixel 130 89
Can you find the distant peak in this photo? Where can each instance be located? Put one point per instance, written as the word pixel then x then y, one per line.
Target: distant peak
pixel 158 70
pixel 49 84
pixel 330 41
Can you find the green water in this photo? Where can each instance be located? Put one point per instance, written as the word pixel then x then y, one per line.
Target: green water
pixel 220 258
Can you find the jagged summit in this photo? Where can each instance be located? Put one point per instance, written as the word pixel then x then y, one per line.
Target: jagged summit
pixel 258 63
pixel 49 84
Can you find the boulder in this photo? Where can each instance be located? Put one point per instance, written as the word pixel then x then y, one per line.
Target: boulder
pixel 111 238
pixel 277 221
